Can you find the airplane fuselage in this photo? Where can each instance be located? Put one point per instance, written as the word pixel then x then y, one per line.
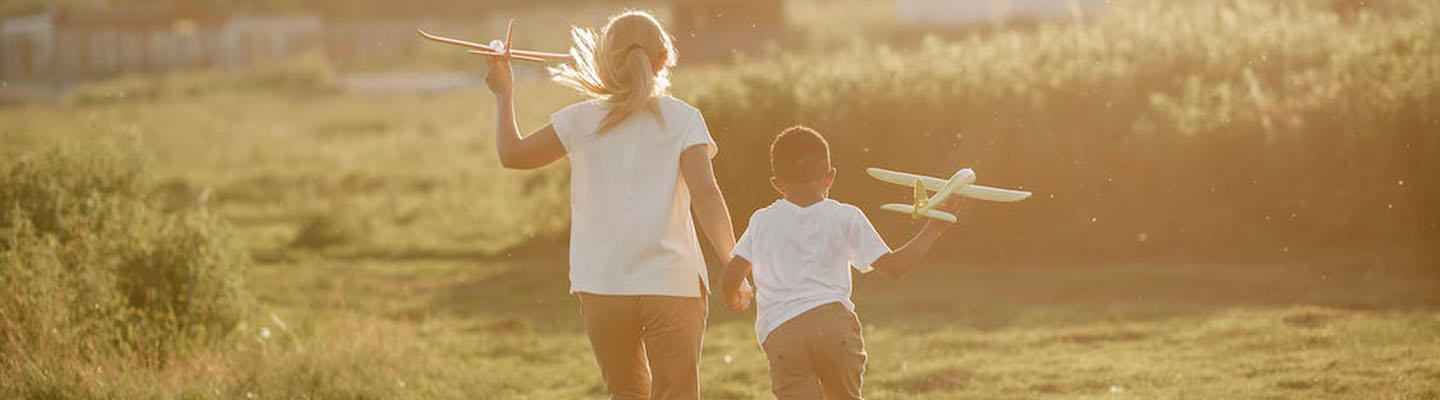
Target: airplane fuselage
pixel 958 180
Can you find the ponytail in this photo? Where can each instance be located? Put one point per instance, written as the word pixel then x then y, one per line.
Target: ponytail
pixel 620 69
pixel 638 87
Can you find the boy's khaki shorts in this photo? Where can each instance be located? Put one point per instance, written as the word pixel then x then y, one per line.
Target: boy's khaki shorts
pixel 818 353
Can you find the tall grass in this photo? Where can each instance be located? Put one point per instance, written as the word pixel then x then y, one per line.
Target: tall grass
pixel 111 288
pixel 91 267
pixel 1200 129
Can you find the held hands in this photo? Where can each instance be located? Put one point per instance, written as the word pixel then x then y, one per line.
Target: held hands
pixel 739 300
pixel 499 78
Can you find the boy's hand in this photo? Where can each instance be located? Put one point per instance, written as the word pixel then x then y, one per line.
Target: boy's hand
pixel 739 300
pixel 951 205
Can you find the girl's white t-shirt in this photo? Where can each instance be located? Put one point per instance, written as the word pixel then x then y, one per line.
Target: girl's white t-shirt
pixel 630 227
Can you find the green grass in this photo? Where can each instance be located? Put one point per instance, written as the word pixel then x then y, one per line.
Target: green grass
pixel 506 329
pixel 1337 330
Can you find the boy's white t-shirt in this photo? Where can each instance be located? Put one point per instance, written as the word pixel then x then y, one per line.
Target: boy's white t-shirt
pixel 630 227
pixel 801 257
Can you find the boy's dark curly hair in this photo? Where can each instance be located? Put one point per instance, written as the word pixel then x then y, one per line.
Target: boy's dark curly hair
pixel 799 154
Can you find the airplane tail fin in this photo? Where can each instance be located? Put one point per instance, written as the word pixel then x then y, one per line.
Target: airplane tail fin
pixel 920 196
pixel 508 30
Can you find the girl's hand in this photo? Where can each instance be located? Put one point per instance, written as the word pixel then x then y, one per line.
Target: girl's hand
pixel 499 78
pixel 739 300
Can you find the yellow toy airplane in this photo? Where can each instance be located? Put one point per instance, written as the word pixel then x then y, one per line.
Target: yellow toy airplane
pixel 498 48
pixel 959 184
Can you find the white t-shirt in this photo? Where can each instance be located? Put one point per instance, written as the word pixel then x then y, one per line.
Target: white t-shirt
pixel 801 257
pixel 630 227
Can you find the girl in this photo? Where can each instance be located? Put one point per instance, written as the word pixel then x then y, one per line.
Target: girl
pixel 640 162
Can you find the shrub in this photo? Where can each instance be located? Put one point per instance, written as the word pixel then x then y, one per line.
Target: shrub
pixel 91 266
pixel 1204 127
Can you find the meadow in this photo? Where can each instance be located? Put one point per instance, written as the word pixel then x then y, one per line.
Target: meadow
pixel 1235 199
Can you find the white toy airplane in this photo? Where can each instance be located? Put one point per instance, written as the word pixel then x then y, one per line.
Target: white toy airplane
pixel 498 48
pixel 959 184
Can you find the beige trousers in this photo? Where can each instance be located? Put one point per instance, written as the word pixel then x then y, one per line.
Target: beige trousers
pixel 818 354
pixel 648 347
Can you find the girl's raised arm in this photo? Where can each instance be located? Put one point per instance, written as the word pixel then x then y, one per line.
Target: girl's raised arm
pixel 539 148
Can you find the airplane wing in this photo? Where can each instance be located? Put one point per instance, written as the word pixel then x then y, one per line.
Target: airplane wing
pixel 456 42
pixel 501 50
pixel 526 58
pixel 991 194
pixel 935 184
pixel 539 54
pixel 910 210
pixel 901 178
pixel 512 55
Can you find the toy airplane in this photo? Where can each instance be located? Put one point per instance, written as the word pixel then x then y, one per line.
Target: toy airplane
pixel 498 48
pixel 959 184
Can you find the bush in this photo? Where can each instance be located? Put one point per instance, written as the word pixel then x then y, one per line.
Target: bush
pixel 116 287
pixel 91 266
pixel 1208 128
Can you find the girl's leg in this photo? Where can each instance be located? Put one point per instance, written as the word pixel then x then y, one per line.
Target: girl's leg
pixel 614 326
pixel 673 329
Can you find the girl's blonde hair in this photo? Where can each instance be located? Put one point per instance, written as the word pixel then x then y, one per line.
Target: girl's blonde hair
pixel 627 67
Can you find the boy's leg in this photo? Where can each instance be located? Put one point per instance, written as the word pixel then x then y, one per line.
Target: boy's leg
pixel 840 352
pixel 673 330
pixel 792 370
pixel 613 324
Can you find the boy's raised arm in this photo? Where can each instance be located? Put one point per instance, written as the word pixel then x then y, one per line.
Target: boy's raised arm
pixel 898 262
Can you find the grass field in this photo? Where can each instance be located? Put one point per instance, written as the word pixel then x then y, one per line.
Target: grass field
pixel 506 329
pixel 383 254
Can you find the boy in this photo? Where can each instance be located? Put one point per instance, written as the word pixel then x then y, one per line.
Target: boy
pixel 800 250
